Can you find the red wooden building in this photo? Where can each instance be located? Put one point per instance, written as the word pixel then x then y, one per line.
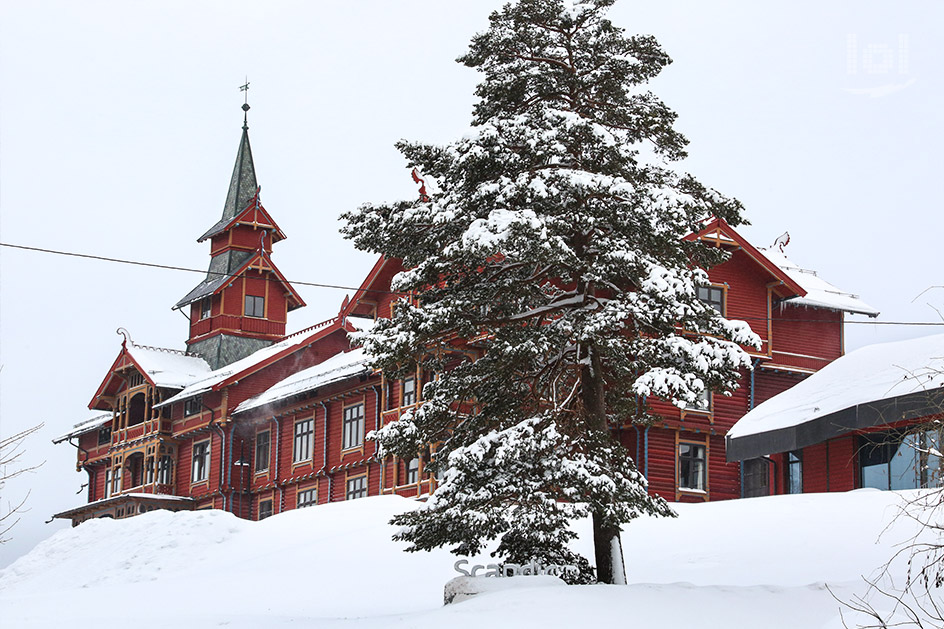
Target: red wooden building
pixel 256 422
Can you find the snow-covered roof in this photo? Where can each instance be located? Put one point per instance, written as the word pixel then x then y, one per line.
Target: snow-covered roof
pixel 819 292
pixel 92 423
pixel 168 368
pixel 866 377
pixel 213 378
pixel 361 324
pixel 335 369
pixel 121 498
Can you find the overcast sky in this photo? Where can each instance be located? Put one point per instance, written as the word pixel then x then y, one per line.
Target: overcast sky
pixel 119 123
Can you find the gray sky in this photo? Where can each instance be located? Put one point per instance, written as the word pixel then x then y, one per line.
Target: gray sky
pixel 119 123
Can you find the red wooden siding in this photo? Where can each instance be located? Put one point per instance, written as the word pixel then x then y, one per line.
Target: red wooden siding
pixel 746 295
pixel 808 338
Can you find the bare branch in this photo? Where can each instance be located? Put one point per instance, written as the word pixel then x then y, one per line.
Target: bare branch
pixel 11 451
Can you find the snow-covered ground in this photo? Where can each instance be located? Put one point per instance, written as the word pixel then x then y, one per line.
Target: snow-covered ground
pixel 762 562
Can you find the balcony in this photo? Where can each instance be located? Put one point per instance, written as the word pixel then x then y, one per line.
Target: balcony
pixel 235 323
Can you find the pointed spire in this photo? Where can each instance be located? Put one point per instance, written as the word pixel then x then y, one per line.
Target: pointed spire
pixel 242 185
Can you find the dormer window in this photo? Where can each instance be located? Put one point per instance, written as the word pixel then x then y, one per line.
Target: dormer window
pixel 206 307
pixel 255 306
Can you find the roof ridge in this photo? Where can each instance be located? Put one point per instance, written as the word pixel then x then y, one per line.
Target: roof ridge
pixel 311 328
pixel 168 350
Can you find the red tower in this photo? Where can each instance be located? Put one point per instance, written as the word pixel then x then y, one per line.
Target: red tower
pixel 243 303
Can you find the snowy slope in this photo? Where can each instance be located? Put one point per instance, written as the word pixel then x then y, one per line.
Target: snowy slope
pixel 750 563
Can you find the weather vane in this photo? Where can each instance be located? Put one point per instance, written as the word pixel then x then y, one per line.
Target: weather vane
pixel 245 88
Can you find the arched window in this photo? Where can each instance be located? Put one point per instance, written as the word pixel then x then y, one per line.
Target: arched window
pixel 136 409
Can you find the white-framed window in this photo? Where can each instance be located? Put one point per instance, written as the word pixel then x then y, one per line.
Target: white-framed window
pixel 149 470
pixel 409 392
pixel 255 306
pixel 108 481
pixel 712 296
pixel 201 462
pixel 353 428
pixel 262 451
pixel 265 509
pixel 301 448
pixel 206 307
pixel 306 498
pixel 692 466
pixel 356 488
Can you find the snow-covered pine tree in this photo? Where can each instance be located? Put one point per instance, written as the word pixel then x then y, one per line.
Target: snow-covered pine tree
pixel 557 238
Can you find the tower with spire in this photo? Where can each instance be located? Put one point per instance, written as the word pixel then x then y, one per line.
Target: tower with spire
pixel 243 303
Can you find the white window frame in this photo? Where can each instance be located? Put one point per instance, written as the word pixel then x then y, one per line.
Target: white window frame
pixel 353 426
pixel 301 441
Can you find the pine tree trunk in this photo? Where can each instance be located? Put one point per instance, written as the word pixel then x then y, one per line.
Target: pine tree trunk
pixel 608 552
pixel 607 548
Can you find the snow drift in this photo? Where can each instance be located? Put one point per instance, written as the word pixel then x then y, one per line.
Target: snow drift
pixel 745 563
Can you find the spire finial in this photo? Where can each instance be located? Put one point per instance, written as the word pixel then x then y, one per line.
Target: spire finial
pixel 245 88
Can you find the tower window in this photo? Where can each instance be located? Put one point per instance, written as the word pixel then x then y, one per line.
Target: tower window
pixel 255 306
pixel 206 305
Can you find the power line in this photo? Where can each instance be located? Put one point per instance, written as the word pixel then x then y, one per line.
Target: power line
pixel 390 292
pixel 183 268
